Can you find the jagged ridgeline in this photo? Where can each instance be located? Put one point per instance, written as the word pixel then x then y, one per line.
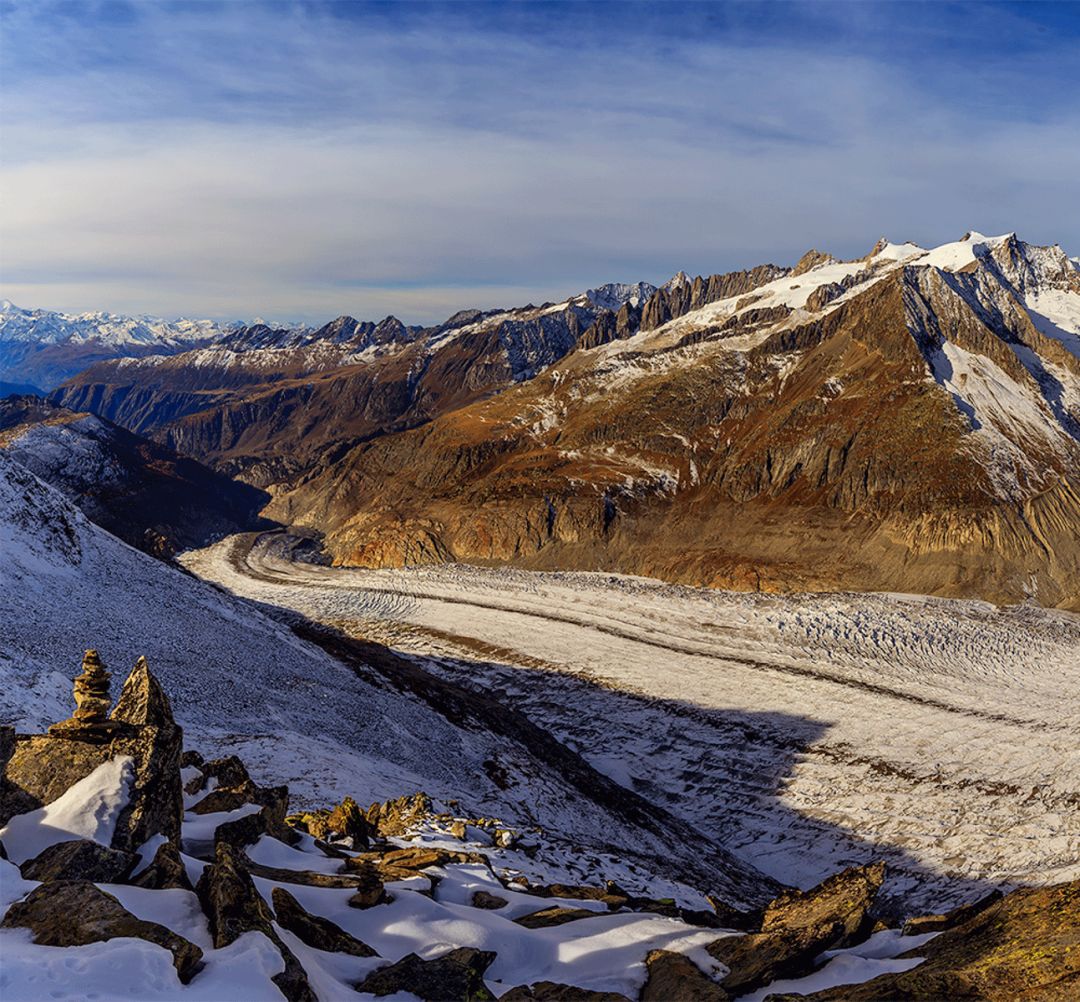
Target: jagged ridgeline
pixel 168 875
pixel 906 421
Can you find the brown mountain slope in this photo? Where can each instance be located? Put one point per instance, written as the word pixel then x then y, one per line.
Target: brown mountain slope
pixel 914 432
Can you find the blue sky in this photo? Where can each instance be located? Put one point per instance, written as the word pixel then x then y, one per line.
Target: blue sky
pixel 302 160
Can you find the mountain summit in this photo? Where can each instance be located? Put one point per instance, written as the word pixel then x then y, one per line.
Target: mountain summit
pixel 909 420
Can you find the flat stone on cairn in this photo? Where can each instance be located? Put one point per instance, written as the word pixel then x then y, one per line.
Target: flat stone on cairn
pixel 92 702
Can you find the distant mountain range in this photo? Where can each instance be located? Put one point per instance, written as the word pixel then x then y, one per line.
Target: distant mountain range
pixel 909 420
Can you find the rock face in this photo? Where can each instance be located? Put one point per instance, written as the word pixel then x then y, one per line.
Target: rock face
pixel 457 975
pixel 44 766
pixel 845 440
pixel 75 912
pixel 799 926
pixel 1025 946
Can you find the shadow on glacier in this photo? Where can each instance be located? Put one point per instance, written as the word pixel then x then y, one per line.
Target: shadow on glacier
pixel 722 772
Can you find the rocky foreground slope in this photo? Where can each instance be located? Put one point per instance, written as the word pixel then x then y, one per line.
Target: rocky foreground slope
pixel 909 421
pixel 138 869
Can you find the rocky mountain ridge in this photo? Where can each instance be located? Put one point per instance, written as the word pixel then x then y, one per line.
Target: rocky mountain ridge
pixel 692 435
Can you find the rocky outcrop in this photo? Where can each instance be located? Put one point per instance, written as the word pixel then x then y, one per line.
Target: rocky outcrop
pixel 951 919
pixel 43 767
pixel 550 991
pixel 75 912
pixel 799 926
pixel 457 975
pixel 1025 946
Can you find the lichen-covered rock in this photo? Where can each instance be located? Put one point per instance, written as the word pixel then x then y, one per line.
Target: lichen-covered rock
pixel 314 930
pixel 75 912
pixel 233 906
pixel 79 859
pixel 674 976
pixel 400 816
pixel 1025 946
pixel 165 872
pixel 457 975
pixel 798 926
pixel 347 822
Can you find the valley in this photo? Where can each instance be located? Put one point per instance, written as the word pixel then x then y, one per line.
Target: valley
pixel 804 733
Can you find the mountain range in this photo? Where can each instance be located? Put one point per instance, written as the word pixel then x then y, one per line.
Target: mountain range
pixel 905 421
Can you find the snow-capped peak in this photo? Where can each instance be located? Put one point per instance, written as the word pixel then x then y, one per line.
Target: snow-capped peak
pixel 53 327
pixel 614 295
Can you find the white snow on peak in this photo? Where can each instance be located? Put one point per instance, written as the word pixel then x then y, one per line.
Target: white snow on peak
pixel 888 251
pixel 615 294
pixel 52 327
pixel 963 252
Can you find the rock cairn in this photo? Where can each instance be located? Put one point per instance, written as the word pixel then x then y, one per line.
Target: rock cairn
pixel 92 703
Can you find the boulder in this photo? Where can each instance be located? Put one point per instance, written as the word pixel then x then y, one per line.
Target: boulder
pixel 674 976
pixel 457 975
pixel 1025 946
pixel 165 872
pixel 313 930
pixel 233 906
pixel 75 912
pixel 79 859
pixel 798 926
pixel 547 917
pixel 482 899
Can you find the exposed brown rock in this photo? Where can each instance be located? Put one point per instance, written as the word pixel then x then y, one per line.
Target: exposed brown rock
pixel 166 871
pixel 398 817
pixel 79 859
pixel 558 915
pixel 369 888
pixel 672 976
pixel 315 931
pixel 797 927
pixel 75 912
pixel 92 702
pixel 951 919
pixel 233 906
pixel 457 975
pixel 1024 947
pixel 483 899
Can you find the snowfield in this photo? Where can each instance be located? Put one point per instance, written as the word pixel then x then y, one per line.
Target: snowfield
pixel 805 733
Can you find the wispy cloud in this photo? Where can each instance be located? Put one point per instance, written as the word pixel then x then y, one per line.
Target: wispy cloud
pixel 304 160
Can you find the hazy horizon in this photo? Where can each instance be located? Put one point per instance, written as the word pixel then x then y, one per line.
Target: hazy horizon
pixel 303 161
